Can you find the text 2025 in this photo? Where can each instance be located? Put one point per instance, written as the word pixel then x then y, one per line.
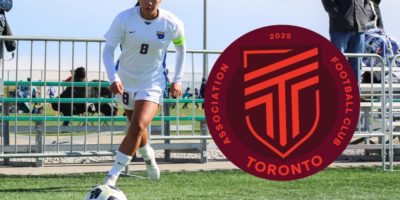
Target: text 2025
pixel 280 36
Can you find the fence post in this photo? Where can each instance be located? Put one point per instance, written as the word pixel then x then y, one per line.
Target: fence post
pixel 6 130
pixel 167 131
pixel 39 142
pixel 203 151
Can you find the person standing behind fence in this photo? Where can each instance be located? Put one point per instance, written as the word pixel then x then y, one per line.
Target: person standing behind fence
pixel 26 90
pixel 197 96
pixel 202 90
pixel 167 81
pixel 144 33
pixel 186 95
pixel 348 21
pixel 51 92
pixel 5 5
pixel 377 21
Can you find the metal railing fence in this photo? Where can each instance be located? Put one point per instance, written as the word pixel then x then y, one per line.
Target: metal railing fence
pixel 39 135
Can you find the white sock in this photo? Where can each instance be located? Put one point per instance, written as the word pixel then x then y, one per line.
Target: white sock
pixel 121 161
pixel 146 152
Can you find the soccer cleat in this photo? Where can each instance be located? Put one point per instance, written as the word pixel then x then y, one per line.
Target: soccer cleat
pixel 151 166
pixel 152 170
pixel 110 180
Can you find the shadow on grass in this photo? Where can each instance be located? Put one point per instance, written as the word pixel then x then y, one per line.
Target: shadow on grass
pixel 44 190
pixel 50 176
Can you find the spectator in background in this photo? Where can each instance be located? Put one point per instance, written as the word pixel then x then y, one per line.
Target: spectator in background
pixel 26 91
pixel 186 95
pixel 5 6
pixel 20 93
pixel 168 82
pixel 196 95
pixel 202 90
pixel 35 92
pixel 69 79
pixel 377 41
pixel 376 20
pixel 51 92
pixel 69 109
pixel 80 74
pixel 348 21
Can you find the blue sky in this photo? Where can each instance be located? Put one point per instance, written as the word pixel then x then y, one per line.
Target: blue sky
pixel 228 19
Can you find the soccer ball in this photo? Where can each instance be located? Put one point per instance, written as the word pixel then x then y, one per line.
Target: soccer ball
pixel 105 192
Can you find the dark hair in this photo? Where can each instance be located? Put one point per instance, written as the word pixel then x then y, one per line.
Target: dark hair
pixel 137 4
pixel 80 74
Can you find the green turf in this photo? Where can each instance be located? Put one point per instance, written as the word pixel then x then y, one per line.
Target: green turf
pixel 342 183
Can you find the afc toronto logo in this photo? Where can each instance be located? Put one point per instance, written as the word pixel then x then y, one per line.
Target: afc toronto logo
pixel 284 139
pixel 282 102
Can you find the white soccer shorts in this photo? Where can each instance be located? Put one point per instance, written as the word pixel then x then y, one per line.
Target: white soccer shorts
pixel 128 98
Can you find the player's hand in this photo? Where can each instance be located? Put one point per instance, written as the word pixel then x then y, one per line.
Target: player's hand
pixel 176 90
pixel 117 88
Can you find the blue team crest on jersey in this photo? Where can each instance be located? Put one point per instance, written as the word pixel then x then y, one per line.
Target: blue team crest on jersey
pixel 160 35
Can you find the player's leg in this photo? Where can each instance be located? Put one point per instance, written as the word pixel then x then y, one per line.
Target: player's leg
pixel 145 138
pixel 147 153
pixel 129 114
pixel 121 159
pixel 154 97
pixel 142 116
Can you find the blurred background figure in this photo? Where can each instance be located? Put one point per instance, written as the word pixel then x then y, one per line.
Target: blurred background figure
pixel 5 6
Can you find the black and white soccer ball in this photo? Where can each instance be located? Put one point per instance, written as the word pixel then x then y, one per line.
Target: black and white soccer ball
pixel 105 192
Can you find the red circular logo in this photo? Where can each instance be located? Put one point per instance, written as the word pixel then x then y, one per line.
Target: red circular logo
pixel 282 102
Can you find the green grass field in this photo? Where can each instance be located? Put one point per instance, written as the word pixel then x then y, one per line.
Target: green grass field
pixel 339 183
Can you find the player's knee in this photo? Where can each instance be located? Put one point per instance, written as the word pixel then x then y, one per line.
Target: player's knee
pixel 140 128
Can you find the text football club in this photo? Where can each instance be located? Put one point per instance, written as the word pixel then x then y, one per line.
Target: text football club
pixel 282 102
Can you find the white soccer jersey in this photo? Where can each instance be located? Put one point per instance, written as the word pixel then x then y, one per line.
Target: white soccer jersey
pixel 144 44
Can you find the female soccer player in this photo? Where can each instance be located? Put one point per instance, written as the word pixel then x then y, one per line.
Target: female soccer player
pixel 144 33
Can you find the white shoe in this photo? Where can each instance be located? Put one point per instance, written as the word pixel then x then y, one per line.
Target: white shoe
pixel 151 166
pixel 110 180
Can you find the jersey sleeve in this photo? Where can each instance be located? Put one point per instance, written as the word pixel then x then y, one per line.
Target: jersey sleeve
pixel 113 38
pixel 115 33
pixel 180 46
pixel 108 60
pixel 178 36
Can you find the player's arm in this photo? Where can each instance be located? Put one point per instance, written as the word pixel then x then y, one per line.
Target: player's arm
pixel 113 38
pixel 108 59
pixel 6 5
pixel 180 46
